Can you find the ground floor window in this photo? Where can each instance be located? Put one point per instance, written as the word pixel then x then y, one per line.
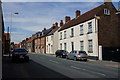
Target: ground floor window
pixel 81 45
pixel 65 46
pixel 90 46
pixel 72 44
pixel 61 46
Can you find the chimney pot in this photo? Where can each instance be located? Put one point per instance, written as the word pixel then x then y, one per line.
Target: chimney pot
pixel 56 24
pixel 61 23
pixel 77 13
pixel 44 28
pixel 67 18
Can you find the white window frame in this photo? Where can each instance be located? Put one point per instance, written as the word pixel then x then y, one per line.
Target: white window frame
pixel 82 45
pixel 61 46
pixel 81 30
pixel 60 35
pixel 106 11
pixel 90 46
pixel 64 34
pixel 72 45
pixel 72 32
pixel 65 46
pixel 90 27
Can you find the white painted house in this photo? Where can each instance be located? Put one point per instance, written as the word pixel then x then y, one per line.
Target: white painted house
pixel 86 31
pixel 52 40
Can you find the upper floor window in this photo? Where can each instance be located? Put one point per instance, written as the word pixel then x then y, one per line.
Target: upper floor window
pixel 60 35
pixel 90 27
pixel 106 11
pixel 81 29
pixel 47 39
pixel 64 34
pixel 72 32
pixel 51 37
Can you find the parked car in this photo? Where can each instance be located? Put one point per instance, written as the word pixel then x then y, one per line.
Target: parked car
pixel 77 55
pixel 61 53
pixel 20 54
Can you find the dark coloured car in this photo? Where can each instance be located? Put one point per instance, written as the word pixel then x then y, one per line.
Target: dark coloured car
pixel 20 54
pixel 61 53
pixel 77 55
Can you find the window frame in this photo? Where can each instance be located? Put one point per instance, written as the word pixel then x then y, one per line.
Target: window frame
pixel 64 34
pixel 72 32
pixel 81 30
pixel 89 27
pixel 82 45
pixel 90 46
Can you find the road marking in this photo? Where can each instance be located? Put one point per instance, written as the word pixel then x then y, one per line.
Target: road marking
pixel 54 61
pixel 87 70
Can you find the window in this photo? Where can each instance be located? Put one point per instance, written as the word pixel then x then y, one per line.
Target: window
pixel 64 34
pixel 51 37
pixel 61 46
pixel 81 45
pixel 106 11
pixel 81 29
pixel 51 48
pixel 47 48
pixel 72 43
pixel 72 32
pixel 90 47
pixel 60 35
pixel 65 46
pixel 47 39
pixel 90 27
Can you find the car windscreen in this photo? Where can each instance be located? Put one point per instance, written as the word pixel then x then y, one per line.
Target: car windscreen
pixel 83 52
pixel 19 50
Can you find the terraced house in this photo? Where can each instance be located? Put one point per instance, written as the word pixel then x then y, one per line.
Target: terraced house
pixel 52 40
pixel 94 31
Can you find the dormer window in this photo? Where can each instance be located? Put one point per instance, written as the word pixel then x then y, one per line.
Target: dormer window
pixel 106 11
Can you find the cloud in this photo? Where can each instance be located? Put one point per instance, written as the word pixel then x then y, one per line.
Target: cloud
pixel 56 0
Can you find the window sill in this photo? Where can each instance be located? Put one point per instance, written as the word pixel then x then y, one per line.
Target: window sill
pixel 81 34
pixel 89 32
pixel 90 51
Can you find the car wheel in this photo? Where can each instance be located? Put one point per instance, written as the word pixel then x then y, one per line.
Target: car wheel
pixel 67 57
pixel 75 58
pixel 85 60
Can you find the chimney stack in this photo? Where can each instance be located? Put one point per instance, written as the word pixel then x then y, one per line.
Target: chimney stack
pixel 107 0
pixel 67 19
pixel 56 24
pixel 44 29
pixel 61 23
pixel 77 13
pixel 53 26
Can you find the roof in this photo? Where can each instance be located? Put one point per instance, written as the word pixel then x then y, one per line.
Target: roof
pixel 45 32
pixel 53 31
pixel 30 39
pixel 7 36
pixel 82 18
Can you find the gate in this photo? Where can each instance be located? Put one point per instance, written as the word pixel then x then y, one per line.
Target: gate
pixel 111 53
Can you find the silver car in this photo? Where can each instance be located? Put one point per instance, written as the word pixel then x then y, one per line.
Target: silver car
pixel 77 55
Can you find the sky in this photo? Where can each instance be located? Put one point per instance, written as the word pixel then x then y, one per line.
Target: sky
pixel 35 16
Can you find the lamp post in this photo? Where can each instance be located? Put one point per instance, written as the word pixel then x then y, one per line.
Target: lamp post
pixel 10 30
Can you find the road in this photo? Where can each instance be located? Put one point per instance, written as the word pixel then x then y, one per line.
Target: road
pixel 46 66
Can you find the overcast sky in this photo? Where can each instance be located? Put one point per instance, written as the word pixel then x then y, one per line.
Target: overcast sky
pixel 34 16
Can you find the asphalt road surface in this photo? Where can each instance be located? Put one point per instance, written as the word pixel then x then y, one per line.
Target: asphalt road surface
pixel 50 67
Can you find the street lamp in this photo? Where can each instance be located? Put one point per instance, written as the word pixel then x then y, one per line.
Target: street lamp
pixel 10 29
